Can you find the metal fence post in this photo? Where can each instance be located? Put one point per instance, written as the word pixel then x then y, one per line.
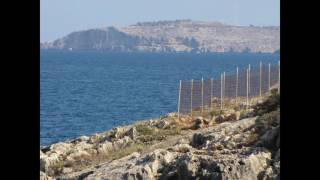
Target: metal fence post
pixel 202 96
pixel 260 79
pixel 224 87
pixel 221 86
pixel 247 104
pixel 249 78
pixel 269 78
pixel 179 100
pixel 211 92
pixel 191 97
pixel 237 79
pixel 279 78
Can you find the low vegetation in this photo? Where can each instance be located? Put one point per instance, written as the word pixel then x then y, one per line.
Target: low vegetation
pixel 253 138
pixel 57 167
pixel 268 113
pixel 125 151
pixel 272 103
pixel 147 134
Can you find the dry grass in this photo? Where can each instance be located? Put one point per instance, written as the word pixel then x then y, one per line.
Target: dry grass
pixel 253 138
pixel 147 134
pixel 84 162
pixel 125 151
pixel 57 167
pixel 272 103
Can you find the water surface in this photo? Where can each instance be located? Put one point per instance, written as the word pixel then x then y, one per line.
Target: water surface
pixel 87 92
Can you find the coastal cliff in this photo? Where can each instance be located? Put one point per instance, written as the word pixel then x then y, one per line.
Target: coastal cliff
pixel 229 144
pixel 173 36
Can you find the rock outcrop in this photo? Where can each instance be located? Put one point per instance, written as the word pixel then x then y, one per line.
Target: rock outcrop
pixel 214 155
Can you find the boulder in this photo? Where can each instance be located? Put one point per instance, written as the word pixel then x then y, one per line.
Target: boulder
pixel 118 132
pixel 183 148
pixel 230 117
pixel 79 154
pixel 67 170
pixel 183 141
pixel 198 139
pixel 238 114
pixel 198 123
pixel 47 161
pixel 82 146
pixel 61 147
pixel 277 156
pixel 219 119
pixel 84 138
pixel 271 138
pixel 105 147
pixel 163 124
pixel 94 139
pixel 132 133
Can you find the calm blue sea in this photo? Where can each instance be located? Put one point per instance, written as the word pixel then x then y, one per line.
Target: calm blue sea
pixel 87 92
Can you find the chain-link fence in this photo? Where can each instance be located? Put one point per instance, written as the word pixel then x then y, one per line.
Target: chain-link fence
pixel 197 97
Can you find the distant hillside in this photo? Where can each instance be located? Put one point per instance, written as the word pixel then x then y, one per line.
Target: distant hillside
pixel 173 36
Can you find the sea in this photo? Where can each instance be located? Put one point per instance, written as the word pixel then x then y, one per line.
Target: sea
pixel 87 92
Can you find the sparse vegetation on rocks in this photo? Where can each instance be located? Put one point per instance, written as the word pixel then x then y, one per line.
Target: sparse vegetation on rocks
pixel 228 144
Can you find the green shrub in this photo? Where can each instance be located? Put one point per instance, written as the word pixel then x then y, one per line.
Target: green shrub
pixel 57 167
pixel 214 113
pixel 144 130
pixel 269 120
pixel 163 117
pixel 222 112
pixel 157 134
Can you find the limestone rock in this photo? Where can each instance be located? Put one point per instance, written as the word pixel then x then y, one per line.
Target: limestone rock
pixel 219 119
pixel 84 138
pixel 163 124
pixel 61 147
pixel 209 152
pixel 198 140
pixel 47 161
pixel 118 132
pixel 270 138
pixel 231 117
pixel 198 123
pixel 44 176
pixel 105 147
pixel 132 133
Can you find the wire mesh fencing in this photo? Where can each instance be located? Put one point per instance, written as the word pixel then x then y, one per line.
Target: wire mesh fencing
pixel 198 97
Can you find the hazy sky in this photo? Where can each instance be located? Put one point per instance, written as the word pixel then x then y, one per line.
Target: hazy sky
pixel 60 17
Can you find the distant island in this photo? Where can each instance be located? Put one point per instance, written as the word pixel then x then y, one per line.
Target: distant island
pixel 173 36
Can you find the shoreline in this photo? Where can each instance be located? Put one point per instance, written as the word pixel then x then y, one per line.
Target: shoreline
pixel 156 148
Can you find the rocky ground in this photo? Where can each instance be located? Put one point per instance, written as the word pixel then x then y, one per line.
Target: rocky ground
pixel 229 144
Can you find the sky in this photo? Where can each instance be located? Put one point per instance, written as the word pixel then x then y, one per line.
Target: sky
pixel 61 17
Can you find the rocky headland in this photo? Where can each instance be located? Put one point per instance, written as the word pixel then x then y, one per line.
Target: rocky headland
pixel 173 36
pixel 228 144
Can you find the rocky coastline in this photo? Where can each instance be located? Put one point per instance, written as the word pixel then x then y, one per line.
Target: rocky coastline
pixel 228 144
